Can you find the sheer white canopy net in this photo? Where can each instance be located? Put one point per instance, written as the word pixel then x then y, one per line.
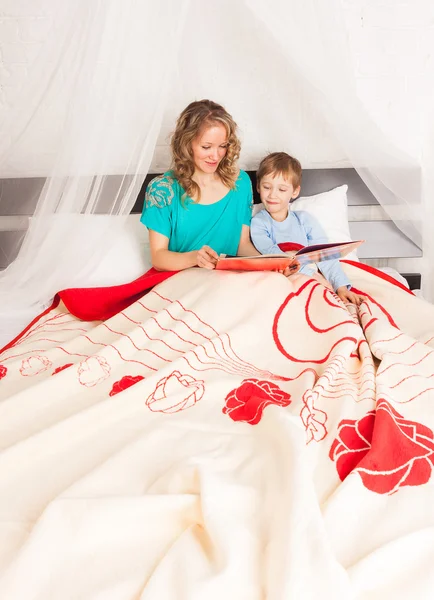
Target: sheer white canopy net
pixel 104 91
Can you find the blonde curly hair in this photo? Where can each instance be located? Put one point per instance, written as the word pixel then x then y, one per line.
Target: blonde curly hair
pixel 193 119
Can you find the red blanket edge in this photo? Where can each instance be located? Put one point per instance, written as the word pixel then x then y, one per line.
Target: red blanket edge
pixel 378 273
pixel 101 303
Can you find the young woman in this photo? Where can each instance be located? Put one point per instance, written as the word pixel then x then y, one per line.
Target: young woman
pixel 202 206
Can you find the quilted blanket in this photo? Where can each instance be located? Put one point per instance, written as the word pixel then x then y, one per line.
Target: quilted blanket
pixel 224 435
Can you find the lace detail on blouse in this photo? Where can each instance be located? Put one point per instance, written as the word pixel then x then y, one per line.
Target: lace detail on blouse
pixel 160 192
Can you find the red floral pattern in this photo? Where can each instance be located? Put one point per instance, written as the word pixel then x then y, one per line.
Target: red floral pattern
pixel 3 371
pixel 124 383
pixel 34 365
pixel 247 402
pixel 313 419
pixel 62 368
pixel 352 444
pixel 175 393
pixel 93 370
pixel 387 450
pixel 302 305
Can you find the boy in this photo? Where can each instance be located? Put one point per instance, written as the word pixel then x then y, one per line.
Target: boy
pixel 278 183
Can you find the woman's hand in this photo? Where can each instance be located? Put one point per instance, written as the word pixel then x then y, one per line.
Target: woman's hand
pixel 206 258
pixel 347 296
pixel 164 259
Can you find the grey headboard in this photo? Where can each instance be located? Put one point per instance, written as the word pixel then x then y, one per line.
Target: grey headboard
pixel 385 243
pixel 367 219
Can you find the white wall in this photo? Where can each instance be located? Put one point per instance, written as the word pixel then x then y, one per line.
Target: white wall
pixel 393 46
pixel 391 42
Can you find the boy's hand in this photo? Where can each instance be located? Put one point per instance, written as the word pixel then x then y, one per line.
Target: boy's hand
pixel 347 296
pixel 292 269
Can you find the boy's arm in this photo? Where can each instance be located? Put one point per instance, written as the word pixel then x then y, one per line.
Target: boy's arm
pixel 261 237
pixel 331 269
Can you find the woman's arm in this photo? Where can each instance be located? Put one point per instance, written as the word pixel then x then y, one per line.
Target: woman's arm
pixel 165 260
pixel 245 247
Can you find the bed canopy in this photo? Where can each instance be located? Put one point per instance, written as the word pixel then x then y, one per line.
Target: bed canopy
pixel 96 111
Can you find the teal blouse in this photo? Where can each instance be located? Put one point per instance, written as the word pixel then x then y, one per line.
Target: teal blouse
pixel 190 226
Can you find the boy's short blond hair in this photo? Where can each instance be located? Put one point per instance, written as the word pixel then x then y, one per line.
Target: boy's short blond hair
pixel 280 163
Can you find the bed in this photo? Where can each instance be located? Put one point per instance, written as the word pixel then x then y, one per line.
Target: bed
pixel 346 208
pixel 216 434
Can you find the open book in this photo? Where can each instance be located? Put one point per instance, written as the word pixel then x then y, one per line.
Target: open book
pixel 279 262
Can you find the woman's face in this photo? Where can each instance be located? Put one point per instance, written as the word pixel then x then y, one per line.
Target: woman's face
pixel 209 147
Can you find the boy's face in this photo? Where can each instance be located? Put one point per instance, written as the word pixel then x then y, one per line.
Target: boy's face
pixel 276 193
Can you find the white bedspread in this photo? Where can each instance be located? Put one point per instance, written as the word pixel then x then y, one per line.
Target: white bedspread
pixel 229 436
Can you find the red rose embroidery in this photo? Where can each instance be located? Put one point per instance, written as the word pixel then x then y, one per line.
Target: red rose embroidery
pixel 124 383
pixel 175 393
pixel 396 452
pixel 34 365
pixel 3 371
pixel 353 443
pixel 247 402
pixel 93 370
pixel 62 368
pixel 313 419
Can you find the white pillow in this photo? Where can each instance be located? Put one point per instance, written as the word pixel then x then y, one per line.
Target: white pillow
pixel 123 249
pixel 330 209
pixel 128 255
pixel 256 208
